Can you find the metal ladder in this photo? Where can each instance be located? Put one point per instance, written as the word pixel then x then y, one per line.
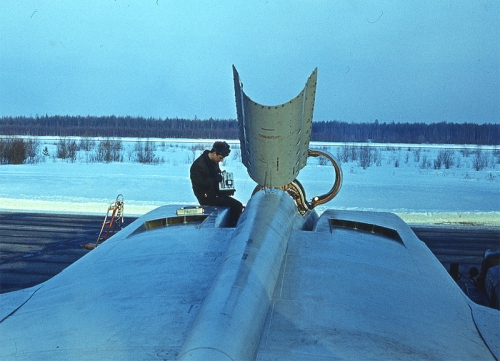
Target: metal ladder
pixel 113 218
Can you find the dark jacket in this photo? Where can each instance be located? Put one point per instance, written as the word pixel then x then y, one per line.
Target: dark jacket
pixel 203 174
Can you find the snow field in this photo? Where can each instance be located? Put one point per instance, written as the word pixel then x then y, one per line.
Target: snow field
pixel 458 195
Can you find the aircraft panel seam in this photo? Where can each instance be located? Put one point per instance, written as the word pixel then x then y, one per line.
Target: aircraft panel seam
pixel 21 305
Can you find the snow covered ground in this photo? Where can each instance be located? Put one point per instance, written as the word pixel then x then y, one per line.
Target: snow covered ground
pixel 397 182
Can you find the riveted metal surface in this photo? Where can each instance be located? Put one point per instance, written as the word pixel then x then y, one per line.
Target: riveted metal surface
pixel 275 139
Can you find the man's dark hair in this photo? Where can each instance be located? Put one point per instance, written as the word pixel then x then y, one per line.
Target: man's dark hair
pixel 221 148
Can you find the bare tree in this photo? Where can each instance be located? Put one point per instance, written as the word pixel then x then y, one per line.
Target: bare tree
pixel 145 152
pixel 444 158
pixel 479 159
pixel 364 156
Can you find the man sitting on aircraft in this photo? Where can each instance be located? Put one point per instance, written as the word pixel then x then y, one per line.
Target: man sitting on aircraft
pixel 205 177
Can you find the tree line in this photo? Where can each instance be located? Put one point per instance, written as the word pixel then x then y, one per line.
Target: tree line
pixel 410 133
pixel 326 131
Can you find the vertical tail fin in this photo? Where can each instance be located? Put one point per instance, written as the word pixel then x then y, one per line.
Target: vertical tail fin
pixel 275 139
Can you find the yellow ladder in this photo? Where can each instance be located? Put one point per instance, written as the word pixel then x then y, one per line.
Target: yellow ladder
pixel 113 218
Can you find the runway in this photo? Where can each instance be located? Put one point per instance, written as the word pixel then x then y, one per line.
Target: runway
pixel 35 247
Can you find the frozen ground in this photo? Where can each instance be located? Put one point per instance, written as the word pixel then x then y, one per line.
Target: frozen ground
pixel 459 195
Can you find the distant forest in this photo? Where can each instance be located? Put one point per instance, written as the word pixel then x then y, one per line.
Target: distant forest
pixel 326 131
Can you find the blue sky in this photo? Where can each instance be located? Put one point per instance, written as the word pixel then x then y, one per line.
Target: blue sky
pixel 411 61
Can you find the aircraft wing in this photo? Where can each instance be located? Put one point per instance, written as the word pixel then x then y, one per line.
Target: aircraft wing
pixel 362 286
pixel 133 297
pixel 351 285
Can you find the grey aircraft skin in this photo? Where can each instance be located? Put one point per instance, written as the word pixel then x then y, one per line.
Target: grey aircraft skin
pixel 284 284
